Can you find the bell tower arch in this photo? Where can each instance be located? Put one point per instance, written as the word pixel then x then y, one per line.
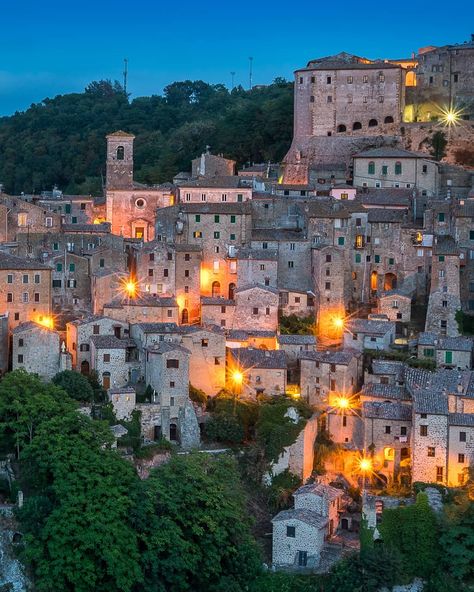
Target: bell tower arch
pixel 119 161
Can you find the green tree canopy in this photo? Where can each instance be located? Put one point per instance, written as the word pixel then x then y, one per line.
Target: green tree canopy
pixel 76 385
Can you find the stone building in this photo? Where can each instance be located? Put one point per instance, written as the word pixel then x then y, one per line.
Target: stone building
pixel 298 303
pixel 395 167
pixel 323 499
pixel 123 401
pixel 328 375
pixel 444 299
pixel 36 349
pixel 214 189
pixel 448 352
pixel 395 305
pixel 25 290
pixel 255 371
pixel 257 266
pixel 20 217
pixel 296 346
pixel 130 207
pixel 255 306
pixel 143 309
pixel 79 332
pixel 342 103
pixel 207 363
pixel 115 360
pixel 71 285
pixel 363 334
pixel 211 165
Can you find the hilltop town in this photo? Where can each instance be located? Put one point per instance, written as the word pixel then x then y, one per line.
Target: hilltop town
pixel 336 286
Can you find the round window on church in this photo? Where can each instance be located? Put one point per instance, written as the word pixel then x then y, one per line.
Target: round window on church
pixel 140 203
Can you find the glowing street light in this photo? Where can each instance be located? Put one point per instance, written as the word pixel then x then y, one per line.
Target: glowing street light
pixel 46 321
pixel 365 465
pixel 130 287
pixel 339 322
pixel 450 116
pixel 343 403
pixel 237 377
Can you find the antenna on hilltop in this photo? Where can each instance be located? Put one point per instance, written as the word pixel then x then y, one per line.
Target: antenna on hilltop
pixel 232 76
pixel 250 71
pixel 125 74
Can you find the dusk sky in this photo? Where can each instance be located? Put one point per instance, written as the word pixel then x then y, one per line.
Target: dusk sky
pixel 54 47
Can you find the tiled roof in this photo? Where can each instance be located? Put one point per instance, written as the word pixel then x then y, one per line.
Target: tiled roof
pixel 120 134
pixel 461 419
pixel 431 402
pixel 89 228
pixel 343 356
pixel 216 301
pixel 445 245
pixel 258 254
pixel 159 327
pixel 164 347
pixel 384 215
pixel 8 262
pixel 226 182
pixel 248 357
pixel 31 326
pixel 277 234
pixel 370 327
pixel 297 339
pixel 303 515
pixel 387 367
pixel 241 335
pixel 383 410
pixel 256 286
pixel 389 153
pixel 110 342
pixel 209 207
pixel 460 343
pixel 319 489
pixel 384 196
pixel 143 300
pixel 385 391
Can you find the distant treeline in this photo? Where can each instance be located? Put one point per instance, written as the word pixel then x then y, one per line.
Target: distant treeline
pixel 62 140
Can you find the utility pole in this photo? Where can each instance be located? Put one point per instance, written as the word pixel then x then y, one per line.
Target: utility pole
pixel 250 71
pixel 125 74
pixel 232 74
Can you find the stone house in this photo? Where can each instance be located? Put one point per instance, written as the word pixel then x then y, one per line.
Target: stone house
pixel 79 332
pixel 106 286
pixel 460 447
pixel 207 362
pixel 71 285
pixel 322 499
pixel 395 305
pixel 255 306
pixel 296 346
pixel 363 334
pixel 387 431
pixel 212 165
pixel 394 167
pixel 20 217
pixel 236 338
pixel 448 352
pixel 123 401
pixel 114 360
pixel 385 372
pixel 263 371
pixel 143 309
pixel 326 375
pixel 219 189
pixel 257 266
pixel 294 302
pixel 218 311
pixel 25 292
pixel 36 349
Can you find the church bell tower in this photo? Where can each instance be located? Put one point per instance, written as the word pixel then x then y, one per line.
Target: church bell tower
pixel 119 161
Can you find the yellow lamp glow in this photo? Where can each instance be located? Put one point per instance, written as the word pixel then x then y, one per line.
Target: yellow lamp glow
pixel 130 287
pixel 46 321
pixel 343 403
pixel 339 322
pixel 450 116
pixel 237 376
pixel 365 465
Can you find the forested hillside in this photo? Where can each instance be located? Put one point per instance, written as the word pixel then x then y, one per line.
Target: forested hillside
pixel 62 140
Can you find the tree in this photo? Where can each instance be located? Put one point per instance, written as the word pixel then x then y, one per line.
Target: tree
pixel 194 529
pixel 438 143
pixel 457 541
pixel 25 403
pixel 76 385
pixel 78 537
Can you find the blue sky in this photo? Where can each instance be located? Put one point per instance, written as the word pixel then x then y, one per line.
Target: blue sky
pixel 50 47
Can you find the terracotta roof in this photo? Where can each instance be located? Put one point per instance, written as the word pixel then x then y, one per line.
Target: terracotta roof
pixel 120 134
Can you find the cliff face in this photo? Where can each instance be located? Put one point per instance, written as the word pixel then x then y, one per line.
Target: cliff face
pixel 12 576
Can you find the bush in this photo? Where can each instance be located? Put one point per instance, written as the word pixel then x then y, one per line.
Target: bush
pixel 197 395
pixel 76 385
pixel 281 490
pixel 224 428
pixel 149 451
pixel 293 325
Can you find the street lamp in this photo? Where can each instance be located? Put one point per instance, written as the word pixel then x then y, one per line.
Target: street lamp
pixel 237 380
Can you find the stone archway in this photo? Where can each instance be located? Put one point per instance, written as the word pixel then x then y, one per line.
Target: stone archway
pixel 390 281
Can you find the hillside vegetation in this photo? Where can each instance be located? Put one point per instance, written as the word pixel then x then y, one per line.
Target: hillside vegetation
pixel 62 140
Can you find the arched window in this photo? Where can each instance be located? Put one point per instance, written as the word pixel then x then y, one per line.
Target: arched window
pixel 106 380
pixel 120 153
pixel 373 123
pixel 356 125
pixel 341 128
pixel 231 291
pixel 371 168
pixel 185 317
pixel 398 168
pixel 388 119
pixel 173 432
pixel 216 289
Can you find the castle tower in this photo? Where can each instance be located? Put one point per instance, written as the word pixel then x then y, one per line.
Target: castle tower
pixel 119 161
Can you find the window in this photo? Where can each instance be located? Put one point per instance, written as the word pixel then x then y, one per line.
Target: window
pixel 391 261
pixel 365 78
pixel 431 451
pixel 462 436
pixel 106 358
pixel 358 258
pixel 187 257
pixel 20 358
pixel 197 218
pixel 224 197
pixel 423 430
pixel 340 241
pixel 48 222
pixel 384 169
pixel 37 297
pixel 57 283
pixel 217 234
pixel 232 237
pixel 439 474
pixel 359 241
pixel 96 329
pixel 240 197
pixel 371 168
pixel 59 266
pixel 291 264
pixel 350 80
pixel 172 363
pixel 197 234
pixel 329 99
pixel 25 279
pixel 17 316
pixel 403 431
pixel 72 267
pixel 311 99
pixel 150 273
pixel 455 77
pixel 217 219
pixel 381 99
pixel 377 258
pixel 328 285
pixel 428 353
pixel 204 342
pixel 301 80
pixel 328 258
pixel 74 219
pixel 381 77
pixel 461 458
pixel 441 217
pixel 101 262
pixel 10 297
pixel 255 311
pixel 291 531
pixel 398 168
pixel 25 297
pixel 388 429
pixel 203 197
pixel 267 311
pixel 186 273
pixel 165 273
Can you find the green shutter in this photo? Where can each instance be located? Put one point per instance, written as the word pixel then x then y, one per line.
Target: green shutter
pixel 441 217
pixel 232 219
pixel 371 168
pixel 340 241
pixel 197 217
pixel 377 258
pixel 358 258
pixel 72 267
pixel 448 357
pixel 217 219
pixel 59 266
